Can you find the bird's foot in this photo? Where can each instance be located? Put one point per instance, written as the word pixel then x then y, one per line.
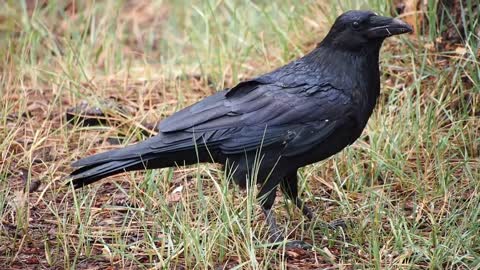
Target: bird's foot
pixel 333 225
pixel 277 240
pixel 337 223
pixel 290 244
pixel 297 244
pixel 275 237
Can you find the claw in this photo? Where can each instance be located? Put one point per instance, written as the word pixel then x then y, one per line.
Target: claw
pixel 338 223
pixel 297 244
pixel 291 244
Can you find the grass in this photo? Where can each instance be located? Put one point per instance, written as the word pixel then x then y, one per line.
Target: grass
pixel 408 188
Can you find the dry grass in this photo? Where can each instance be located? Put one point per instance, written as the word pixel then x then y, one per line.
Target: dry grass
pixel 409 188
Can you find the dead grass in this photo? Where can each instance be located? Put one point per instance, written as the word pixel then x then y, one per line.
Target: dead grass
pixel 409 188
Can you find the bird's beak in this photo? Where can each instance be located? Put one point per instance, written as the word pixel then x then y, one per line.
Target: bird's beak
pixel 382 27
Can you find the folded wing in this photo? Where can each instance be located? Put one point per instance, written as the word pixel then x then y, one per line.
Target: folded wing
pixel 260 114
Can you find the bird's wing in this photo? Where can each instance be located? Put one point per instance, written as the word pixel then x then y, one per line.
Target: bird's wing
pixel 256 113
pixel 208 109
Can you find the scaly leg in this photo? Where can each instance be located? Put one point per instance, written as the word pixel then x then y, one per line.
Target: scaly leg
pixel 289 187
pixel 275 233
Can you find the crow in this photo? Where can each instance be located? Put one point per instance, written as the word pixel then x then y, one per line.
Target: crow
pixel 267 127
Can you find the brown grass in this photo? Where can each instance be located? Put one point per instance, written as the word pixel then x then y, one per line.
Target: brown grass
pixel 408 189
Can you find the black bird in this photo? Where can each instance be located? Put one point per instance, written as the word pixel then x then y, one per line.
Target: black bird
pixel 298 114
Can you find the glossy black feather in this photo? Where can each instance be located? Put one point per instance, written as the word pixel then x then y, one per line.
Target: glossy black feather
pixel 296 115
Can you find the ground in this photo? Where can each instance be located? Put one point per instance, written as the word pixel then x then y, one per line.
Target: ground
pixel 408 188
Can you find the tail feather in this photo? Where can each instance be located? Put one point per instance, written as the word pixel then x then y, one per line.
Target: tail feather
pixel 92 173
pixel 157 145
pixel 134 151
pixel 156 152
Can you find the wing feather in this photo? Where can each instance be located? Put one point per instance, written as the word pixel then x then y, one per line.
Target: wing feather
pixel 257 113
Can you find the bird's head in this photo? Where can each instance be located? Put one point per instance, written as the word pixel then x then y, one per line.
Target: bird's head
pixel 358 29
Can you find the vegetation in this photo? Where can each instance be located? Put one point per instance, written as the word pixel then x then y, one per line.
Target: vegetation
pixel 408 189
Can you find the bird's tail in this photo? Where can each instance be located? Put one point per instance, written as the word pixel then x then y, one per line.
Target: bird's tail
pixel 148 154
pixel 92 173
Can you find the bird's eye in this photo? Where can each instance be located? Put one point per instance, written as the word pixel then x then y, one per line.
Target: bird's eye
pixel 355 25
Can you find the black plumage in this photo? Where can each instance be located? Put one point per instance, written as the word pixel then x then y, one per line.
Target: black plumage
pixel 296 115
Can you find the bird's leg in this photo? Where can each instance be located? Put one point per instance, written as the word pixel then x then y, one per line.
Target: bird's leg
pixel 274 233
pixel 267 199
pixel 304 208
pixel 267 196
pixel 333 225
pixel 289 187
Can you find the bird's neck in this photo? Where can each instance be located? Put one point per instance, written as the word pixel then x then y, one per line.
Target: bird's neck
pixel 357 69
